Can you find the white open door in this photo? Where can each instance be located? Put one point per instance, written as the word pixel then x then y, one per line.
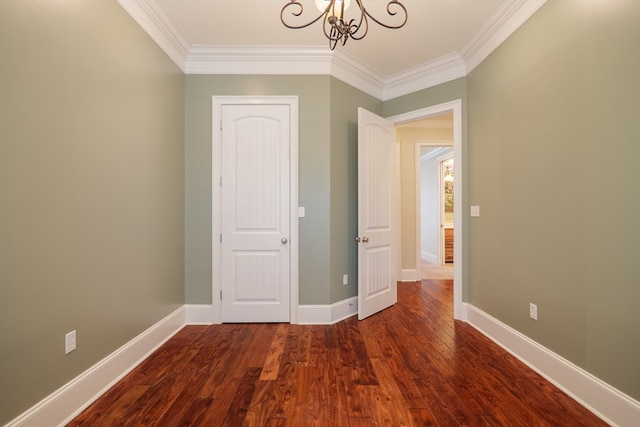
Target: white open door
pixel 377 254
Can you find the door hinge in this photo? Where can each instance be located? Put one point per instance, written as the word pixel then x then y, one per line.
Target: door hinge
pixel 220 294
pixel 220 237
pixel 220 181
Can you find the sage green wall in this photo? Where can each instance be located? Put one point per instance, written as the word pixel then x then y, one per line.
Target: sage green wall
pixel 314 177
pixel 345 101
pixel 552 161
pixel 91 189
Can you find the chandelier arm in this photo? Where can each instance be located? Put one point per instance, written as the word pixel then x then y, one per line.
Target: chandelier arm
pixel 332 33
pixel 354 29
pixel 395 3
pixel 297 13
pixel 334 37
pixel 336 28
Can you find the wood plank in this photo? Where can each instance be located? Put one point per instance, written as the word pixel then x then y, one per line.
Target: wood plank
pixel 242 399
pixel 272 361
pixel 262 342
pixel 391 401
pixel 337 389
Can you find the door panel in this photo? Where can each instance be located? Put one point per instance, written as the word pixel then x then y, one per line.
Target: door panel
pixel 255 213
pixel 377 282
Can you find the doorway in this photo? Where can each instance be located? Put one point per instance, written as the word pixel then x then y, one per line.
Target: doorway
pixel 434 208
pixel 455 108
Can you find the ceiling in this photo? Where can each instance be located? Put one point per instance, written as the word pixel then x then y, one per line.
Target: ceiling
pixel 442 40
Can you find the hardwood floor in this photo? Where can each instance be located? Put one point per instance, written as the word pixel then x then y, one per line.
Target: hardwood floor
pixel 410 365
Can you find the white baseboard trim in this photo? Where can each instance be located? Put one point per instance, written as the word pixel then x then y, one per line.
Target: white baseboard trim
pixel 608 403
pixel 412 275
pixel 327 314
pixel 63 405
pixel 202 314
pixel 199 314
pixel 428 257
pixel 343 309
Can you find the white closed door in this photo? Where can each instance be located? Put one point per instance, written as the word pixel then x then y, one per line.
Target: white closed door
pixel 377 217
pixel 255 217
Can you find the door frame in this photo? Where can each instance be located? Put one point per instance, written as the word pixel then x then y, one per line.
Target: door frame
pixel 216 206
pixel 454 106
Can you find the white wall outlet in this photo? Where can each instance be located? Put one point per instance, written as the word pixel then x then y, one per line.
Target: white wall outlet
pixel 475 211
pixel 301 212
pixel 69 342
pixel 533 311
pixel 345 279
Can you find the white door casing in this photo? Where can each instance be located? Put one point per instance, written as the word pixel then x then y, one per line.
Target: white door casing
pixel 377 219
pixel 255 252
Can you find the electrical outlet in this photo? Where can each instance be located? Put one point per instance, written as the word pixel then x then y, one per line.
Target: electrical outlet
pixel 69 342
pixel 533 311
pixel 345 279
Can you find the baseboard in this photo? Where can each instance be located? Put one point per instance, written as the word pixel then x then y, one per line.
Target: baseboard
pixel 202 314
pixel 327 314
pixel 199 314
pixel 67 402
pixel 428 257
pixel 412 275
pixel 343 309
pixel 608 403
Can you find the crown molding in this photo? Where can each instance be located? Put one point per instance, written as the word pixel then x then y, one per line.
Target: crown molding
pixel 313 60
pixel 435 153
pixel 348 69
pixel 429 74
pixel 288 60
pixel 157 24
pixel 205 59
pixel 507 18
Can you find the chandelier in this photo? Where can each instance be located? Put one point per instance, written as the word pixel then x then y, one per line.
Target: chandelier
pixel 336 26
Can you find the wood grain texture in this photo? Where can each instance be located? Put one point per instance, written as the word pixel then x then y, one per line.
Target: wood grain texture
pixel 410 365
pixel 448 245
